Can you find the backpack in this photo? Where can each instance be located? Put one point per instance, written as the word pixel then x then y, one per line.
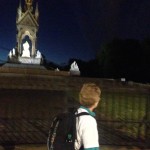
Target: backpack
pixel 62 133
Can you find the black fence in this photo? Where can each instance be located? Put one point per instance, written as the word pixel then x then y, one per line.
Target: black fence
pixel 126 114
pixel 123 116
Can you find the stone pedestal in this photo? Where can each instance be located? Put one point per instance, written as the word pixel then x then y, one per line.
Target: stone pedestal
pixel 26 60
pixel 74 73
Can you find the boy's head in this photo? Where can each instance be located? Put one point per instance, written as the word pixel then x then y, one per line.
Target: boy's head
pixel 89 94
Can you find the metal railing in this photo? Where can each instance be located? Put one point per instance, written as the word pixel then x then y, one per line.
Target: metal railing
pixel 123 118
pixel 126 113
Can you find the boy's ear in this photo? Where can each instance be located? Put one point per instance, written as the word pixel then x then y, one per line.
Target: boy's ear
pixel 96 104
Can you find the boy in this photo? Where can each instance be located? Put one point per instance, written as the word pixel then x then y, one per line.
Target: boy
pixel 86 125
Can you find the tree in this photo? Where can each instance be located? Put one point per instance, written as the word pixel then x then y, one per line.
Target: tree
pixel 122 58
pixel 145 67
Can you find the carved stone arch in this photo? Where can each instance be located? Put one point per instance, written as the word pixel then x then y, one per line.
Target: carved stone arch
pixel 22 35
pixel 26 37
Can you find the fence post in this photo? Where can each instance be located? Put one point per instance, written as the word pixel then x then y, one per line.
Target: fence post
pixel 147 120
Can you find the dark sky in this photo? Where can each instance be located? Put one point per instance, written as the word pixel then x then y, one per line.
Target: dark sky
pixel 77 28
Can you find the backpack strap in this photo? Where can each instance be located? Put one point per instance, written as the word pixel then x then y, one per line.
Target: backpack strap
pixel 82 114
pixel 52 133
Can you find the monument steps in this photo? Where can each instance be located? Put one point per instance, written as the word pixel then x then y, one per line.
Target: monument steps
pixel 43 79
pixel 28 69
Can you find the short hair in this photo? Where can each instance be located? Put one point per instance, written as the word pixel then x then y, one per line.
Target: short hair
pixel 89 94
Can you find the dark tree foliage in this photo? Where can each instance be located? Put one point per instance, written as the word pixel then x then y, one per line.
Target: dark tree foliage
pixel 50 65
pixel 90 68
pixel 126 58
pixel 145 65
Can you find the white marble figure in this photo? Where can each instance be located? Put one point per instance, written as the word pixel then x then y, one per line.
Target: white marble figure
pixel 57 69
pixel 74 67
pixel 26 51
pixel 10 54
pixel 13 52
pixel 38 54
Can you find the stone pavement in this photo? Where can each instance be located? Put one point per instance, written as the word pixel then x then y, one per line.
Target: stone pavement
pixel 44 147
pixel 25 134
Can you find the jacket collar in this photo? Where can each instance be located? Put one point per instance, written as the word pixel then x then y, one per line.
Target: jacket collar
pixel 90 112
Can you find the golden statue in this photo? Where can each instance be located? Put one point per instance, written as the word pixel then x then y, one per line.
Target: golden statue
pixel 29 3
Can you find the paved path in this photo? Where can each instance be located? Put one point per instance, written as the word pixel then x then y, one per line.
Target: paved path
pixel 43 147
pixel 32 134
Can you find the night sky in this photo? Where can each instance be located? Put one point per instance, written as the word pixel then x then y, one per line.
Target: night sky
pixel 77 28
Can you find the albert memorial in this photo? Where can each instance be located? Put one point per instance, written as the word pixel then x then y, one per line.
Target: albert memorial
pixel 26 51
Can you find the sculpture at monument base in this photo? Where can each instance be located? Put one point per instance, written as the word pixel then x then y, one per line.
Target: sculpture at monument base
pixel 57 69
pixel 74 69
pixel 10 55
pixel 25 57
pixel 38 54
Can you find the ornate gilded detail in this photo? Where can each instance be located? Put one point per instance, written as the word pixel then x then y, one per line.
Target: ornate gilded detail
pixel 28 3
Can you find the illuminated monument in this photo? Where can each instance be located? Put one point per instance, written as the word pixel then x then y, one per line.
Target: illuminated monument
pixel 26 51
pixel 25 54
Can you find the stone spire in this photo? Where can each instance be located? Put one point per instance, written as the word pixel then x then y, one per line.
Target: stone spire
pixel 36 12
pixel 19 11
pixel 28 3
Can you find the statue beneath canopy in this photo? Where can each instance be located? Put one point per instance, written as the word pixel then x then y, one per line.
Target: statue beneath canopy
pixel 26 51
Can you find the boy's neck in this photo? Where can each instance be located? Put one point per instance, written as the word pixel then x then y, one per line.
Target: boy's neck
pixel 89 110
